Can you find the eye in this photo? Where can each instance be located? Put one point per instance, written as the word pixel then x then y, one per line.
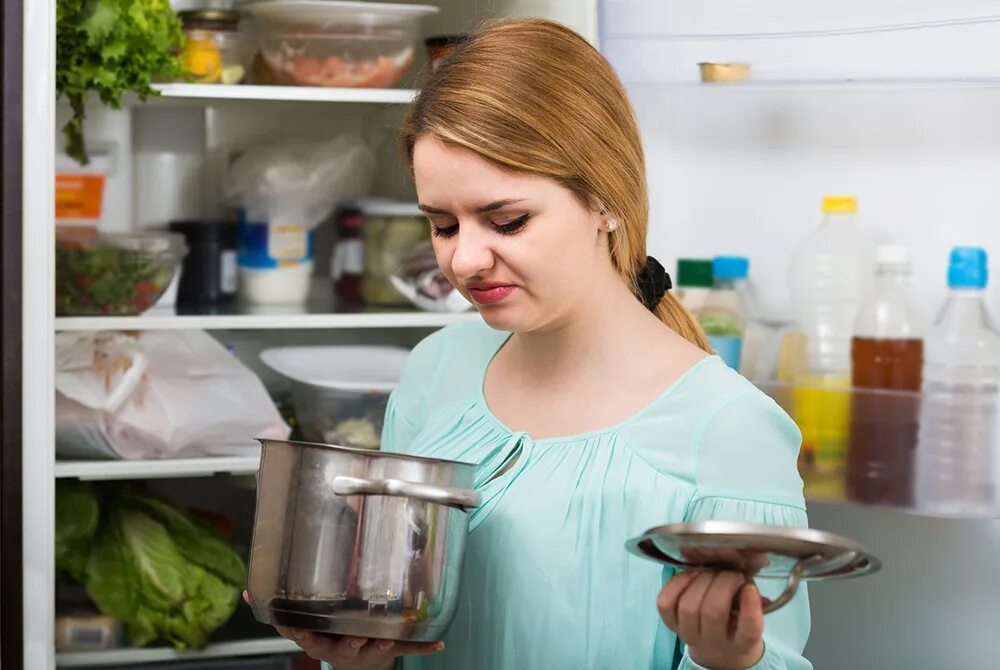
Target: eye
pixel 444 231
pixel 513 226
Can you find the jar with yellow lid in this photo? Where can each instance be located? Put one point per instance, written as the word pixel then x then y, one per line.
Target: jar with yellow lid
pixel 213 52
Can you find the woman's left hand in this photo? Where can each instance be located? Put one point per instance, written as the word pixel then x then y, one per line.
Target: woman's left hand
pixel 718 615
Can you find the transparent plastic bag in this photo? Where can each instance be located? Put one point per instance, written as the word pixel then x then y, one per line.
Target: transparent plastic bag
pixel 298 181
pixel 158 394
pixel 420 279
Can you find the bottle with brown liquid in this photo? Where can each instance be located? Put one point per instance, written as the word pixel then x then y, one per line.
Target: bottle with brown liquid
pixel 887 353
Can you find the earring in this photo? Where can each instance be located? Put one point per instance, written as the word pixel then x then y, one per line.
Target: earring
pixel 612 225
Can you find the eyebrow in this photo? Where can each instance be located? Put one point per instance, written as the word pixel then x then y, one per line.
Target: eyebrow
pixel 484 209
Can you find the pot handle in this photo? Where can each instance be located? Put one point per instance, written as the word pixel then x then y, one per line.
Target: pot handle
pixel 443 495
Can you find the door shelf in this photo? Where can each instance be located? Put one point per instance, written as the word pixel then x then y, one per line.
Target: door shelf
pixel 132 657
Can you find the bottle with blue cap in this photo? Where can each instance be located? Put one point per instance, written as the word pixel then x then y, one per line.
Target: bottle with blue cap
pixel 723 315
pixel 957 455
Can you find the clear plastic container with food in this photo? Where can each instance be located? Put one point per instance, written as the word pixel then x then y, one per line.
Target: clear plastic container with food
pixel 337 44
pixel 214 52
pixel 115 274
pixel 339 393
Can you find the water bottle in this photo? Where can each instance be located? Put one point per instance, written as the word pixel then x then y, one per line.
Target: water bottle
pixel 694 282
pixel 887 357
pixel 722 316
pixel 830 276
pixel 956 451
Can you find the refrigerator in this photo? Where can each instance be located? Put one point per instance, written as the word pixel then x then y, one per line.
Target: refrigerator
pixel 895 103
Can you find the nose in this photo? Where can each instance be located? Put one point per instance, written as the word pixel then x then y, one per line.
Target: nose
pixel 473 255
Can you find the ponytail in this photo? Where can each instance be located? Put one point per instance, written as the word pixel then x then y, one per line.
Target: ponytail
pixel 671 312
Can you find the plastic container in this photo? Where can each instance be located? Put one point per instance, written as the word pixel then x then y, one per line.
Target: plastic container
pixel 887 354
pixel 275 262
pixel 392 231
pixel 340 393
pixel 957 458
pixel 209 275
pixel 722 316
pixel 213 51
pixel 340 44
pixel 694 281
pixel 830 276
pixel 121 274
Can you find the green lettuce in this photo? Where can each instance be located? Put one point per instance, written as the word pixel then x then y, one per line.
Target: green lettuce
pixel 161 572
pixel 77 515
pixel 112 47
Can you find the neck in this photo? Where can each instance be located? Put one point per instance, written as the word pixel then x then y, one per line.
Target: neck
pixel 609 319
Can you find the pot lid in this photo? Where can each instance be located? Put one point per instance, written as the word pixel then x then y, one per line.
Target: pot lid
pixel 757 549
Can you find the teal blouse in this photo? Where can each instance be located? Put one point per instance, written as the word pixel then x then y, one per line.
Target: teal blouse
pixel 547 582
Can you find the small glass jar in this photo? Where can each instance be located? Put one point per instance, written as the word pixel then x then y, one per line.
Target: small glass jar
pixel 390 233
pixel 212 51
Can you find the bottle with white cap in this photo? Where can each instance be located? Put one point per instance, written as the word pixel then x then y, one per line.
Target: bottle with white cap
pixel 957 455
pixel 887 356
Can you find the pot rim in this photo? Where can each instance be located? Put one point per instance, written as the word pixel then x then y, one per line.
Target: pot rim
pixel 371 453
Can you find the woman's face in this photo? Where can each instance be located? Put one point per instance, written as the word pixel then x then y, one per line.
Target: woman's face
pixel 522 248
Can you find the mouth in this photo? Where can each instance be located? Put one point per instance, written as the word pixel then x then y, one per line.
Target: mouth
pixel 489 294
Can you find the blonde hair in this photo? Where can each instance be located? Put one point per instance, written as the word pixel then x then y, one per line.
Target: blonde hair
pixel 532 96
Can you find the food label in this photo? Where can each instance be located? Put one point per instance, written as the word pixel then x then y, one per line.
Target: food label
pixel 79 197
pixel 266 246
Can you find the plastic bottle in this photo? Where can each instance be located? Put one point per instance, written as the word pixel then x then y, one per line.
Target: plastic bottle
pixel 887 355
pixel 830 275
pixel 722 315
pixel 694 282
pixel 957 451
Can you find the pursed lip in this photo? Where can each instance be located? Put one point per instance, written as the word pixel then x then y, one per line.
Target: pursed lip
pixel 489 293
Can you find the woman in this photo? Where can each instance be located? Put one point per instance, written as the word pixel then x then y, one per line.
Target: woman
pixel 587 396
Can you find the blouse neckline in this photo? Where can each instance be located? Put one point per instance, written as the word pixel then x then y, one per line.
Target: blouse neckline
pixel 579 437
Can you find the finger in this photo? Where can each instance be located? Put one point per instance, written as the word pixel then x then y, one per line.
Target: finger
pixel 246 597
pixel 689 608
pixel 666 601
pixel 348 647
pixel 750 622
pixel 717 607
pixel 318 646
pixel 416 648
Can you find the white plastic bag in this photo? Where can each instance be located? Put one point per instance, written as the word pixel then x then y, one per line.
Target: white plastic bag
pixel 158 394
pixel 296 181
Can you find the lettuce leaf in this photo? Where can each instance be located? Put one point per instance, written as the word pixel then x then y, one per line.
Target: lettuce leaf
pixel 153 567
pixel 112 47
pixel 77 514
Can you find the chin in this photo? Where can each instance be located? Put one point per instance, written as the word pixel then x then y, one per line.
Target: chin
pixel 508 318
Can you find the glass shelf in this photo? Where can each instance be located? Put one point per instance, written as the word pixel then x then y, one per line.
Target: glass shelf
pixel 932 453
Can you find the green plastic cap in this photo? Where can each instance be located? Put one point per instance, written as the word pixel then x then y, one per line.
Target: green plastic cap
pixel 694 272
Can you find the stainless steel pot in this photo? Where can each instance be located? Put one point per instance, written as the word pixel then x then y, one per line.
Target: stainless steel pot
pixel 356 542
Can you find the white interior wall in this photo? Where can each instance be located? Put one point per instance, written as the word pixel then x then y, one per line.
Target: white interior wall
pixel 742 170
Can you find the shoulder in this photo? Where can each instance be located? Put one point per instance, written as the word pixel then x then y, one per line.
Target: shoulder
pixel 459 343
pixel 714 419
pixel 447 367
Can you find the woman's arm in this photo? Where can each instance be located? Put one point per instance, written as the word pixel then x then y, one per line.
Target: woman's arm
pixel 746 470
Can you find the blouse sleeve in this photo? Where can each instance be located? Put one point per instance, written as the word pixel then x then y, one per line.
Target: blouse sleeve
pixel 407 403
pixel 745 470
